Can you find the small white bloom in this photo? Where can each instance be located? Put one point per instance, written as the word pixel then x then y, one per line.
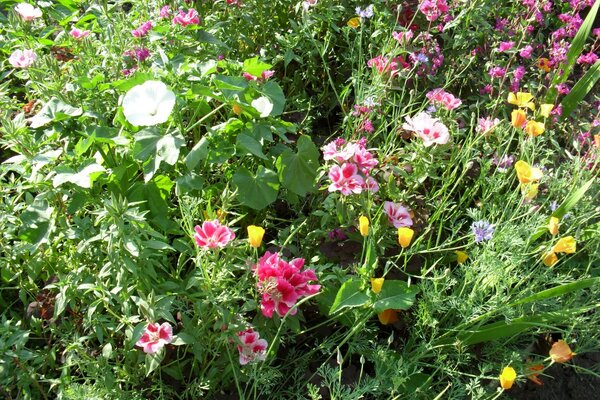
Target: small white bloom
pixel 27 11
pixel 148 104
pixel 263 105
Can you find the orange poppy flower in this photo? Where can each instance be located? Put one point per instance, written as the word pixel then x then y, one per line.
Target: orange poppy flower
pixel 561 352
pixel 388 317
pixel 518 118
pixel 549 259
pixel 535 128
pixel 543 64
pixel 533 376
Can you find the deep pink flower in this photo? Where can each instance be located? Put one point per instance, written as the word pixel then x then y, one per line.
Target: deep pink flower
pixel 265 75
pixel 430 129
pixel 384 65
pixel 345 179
pixel 79 34
pixel 589 58
pixel 155 337
pixel 251 347
pixel 397 214
pixel 364 160
pixel 27 12
pixel 22 58
pixel 441 97
pixel 504 46
pixel 526 52
pixel 497 72
pixel 403 37
pixel 212 234
pixel 143 29
pixel 165 12
pixel 432 9
pixel 187 18
pixel 282 284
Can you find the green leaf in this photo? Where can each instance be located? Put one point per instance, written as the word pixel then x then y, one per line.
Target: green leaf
pixel 349 296
pixel 256 190
pixel 152 148
pixel 250 145
pixel 255 67
pixel 83 178
pixel 153 360
pixel 396 295
pixel 54 110
pixel 183 338
pixel 297 171
pixel 36 223
pixel 230 86
pixel 273 91
pixel 558 291
pixel 198 153
pixel 580 90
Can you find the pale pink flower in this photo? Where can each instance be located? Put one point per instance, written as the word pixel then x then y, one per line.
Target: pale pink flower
pixel 335 151
pixel 283 283
pixel 165 12
pixel 155 337
pixel 28 12
pixel 22 58
pixel 486 125
pixel 308 4
pixel 430 130
pixel 187 18
pixel 371 184
pixel 251 347
pixel 78 34
pixel 212 234
pixel 345 179
pixel 397 214
pixel 403 37
pixel 364 160
pixel 441 97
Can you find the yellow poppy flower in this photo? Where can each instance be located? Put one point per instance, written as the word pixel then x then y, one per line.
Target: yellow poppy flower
pixel 461 256
pixel 354 22
pixel 255 235
pixel 535 128
pixel 549 259
pixel 405 236
pixel 530 191
pixel 521 99
pixel 363 225
pixel 507 377
pixel 543 64
pixel 566 245
pixel 553 225
pixel 518 118
pixel 377 284
pixel 545 110
pixel 561 352
pixel 526 173
pixel 388 317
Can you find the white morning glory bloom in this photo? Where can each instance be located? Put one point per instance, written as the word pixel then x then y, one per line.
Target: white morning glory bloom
pixel 263 105
pixel 148 104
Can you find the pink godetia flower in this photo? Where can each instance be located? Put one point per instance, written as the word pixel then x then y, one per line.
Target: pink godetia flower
pixel 433 9
pixel 251 347
pixel 441 97
pixel 563 88
pixel 371 185
pixel 431 130
pixel 346 179
pixel 213 235
pixel 384 65
pixel 504 46
pixel 487 125
pixel 155 337
pixel 27 12
pixel 403 37
pixel 367 126
pixel 397 214
pixel 165 12
pixel 526 52
pixel 283 283
pixel 78 34
pixel 143 29
pixel 339 151
pixel 190 17
pixel 237 3
pixel 22 58
pixel 264 76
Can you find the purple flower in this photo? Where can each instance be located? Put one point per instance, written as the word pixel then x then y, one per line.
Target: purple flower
pixel 366 13
pixel 526 52
pixel 482 230
pixel 497 72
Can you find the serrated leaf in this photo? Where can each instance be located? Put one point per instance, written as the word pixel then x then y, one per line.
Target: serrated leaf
pixel 297 171
pixel 396 295
pixel 350 295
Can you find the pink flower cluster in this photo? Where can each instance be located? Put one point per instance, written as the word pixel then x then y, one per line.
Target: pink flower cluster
pixel 384 65
pixel 441 97
pixel 486 125
pixel 283 283
pixel 78 34
pixel 354 163
pixel 505 46
pixel 397 214
pixel 251 347
pixel 213 235
pixel 155 337
pixel 187 18
pixel 22 58
pixel 431 130
pixel 403 37
pixel 433 9
pixel 143 29
pixel 264 76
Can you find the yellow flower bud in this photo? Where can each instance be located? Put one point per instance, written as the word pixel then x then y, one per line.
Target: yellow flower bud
pixel 237 110
pixel 507 377
pixel 549 259
pixel 377 284
pixel 461 256
pixel 363 225
pixel 553 225
pixel 255 235
pixel 518 118
pixel 405 236
pixel 354 22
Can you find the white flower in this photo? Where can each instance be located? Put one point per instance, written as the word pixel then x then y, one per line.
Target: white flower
pixel 27 11
pixel 263 105
pixel 148 104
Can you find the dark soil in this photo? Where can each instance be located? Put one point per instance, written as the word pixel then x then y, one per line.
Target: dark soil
pixel 562 382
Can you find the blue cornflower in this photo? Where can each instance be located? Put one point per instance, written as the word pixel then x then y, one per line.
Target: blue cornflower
pixel 422 58
pixel 366 13
pixel 482 230
pixel 553 206
pixel 431 109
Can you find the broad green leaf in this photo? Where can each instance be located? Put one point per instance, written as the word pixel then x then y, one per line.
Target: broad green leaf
pixel 152 148
pixel 153 360
pixel 248 144
pixel 275 94
pixel 183 338
pixel 255 67
pixel 580 90
pixel 54 110
pixel 230 86
pixel 256 190
pixel 198 153
pixel 396 295
pixel 350 295
pixel 297 171
pixel 83 178
pixel 36 223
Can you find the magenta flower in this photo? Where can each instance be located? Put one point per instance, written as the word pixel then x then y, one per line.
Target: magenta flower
pixel 212 234
pixel 441 97
pixel 22 58
pixel 78 34
pixel 384 65
pixel 187 18
pixel 251 348
pixel 430 130
pixel 432 9
pixel 526 52
pixel 165 12
pixel 504 46
pixel 589 58
pixel 282 284
pixel 397 214
pixel 497 72
pixel 27 12
pixel 345 179
pixel 264 76
pixel 155 337
pixel 143 29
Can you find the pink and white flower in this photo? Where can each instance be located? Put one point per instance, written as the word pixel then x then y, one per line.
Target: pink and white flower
pixel 430 130
pixel 441 97
pixel 78 34
pixel 397 214
pixel 486 125
pixel 27 12
pixel 432 9
pixel 345 179
pixel 251 347
pixel 187 18
pixel 283 283
pixel 22 58
pixel 213 235
pixel 155 337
